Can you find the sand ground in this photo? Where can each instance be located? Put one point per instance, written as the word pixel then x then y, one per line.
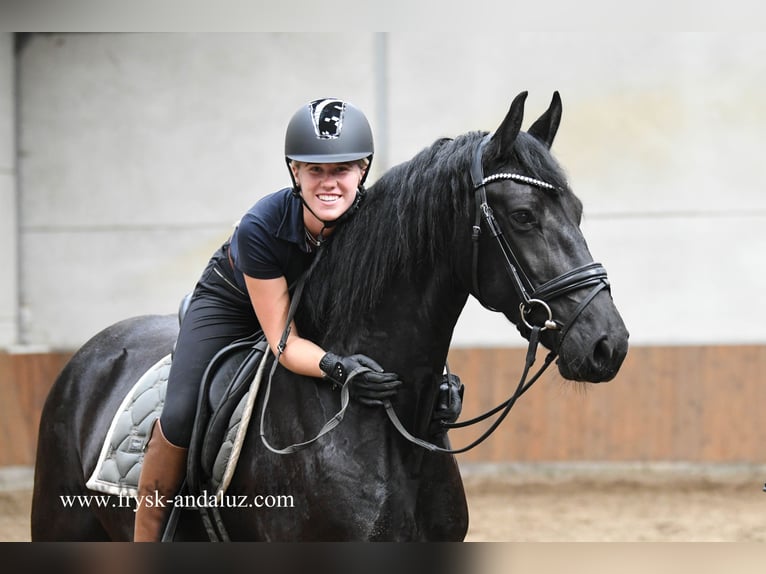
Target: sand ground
pixel 564 504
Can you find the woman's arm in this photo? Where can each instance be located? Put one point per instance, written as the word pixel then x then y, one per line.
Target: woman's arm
pixel 271 302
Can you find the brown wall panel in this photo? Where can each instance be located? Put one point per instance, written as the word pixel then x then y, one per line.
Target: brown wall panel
pixel 687 404
pixel 24 383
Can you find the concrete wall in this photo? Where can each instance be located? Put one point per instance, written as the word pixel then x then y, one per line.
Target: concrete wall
pixel 662 137
pixel 8 224
pixel 138 152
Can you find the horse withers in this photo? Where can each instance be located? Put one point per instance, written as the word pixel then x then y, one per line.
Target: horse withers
pixel 487 215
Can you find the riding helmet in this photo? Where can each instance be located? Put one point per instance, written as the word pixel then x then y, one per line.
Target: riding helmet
pixel 328 131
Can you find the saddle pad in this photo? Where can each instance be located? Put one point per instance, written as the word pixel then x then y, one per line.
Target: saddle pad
pixel 119 464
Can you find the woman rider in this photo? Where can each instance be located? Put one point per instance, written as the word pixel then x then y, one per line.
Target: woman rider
pixel 244 289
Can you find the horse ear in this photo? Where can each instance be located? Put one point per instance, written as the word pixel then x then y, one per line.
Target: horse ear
pixel 545 128
pixel 503 138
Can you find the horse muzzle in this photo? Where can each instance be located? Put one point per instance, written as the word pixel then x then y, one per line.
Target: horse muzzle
pixel 596 345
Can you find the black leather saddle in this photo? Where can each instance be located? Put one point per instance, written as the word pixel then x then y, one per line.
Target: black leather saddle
pixel 226 381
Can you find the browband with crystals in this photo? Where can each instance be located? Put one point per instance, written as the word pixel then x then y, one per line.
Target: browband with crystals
pixel 515 176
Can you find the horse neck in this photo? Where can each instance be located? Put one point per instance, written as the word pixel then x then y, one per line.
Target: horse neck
pixel 393 281
pixel 410 335
pixel 419 319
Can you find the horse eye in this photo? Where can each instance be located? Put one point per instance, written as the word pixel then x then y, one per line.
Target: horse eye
pixel 523 217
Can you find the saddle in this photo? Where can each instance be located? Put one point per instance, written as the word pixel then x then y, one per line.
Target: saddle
pixel 227 395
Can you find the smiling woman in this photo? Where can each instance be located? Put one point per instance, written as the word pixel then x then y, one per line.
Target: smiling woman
pixel 328 191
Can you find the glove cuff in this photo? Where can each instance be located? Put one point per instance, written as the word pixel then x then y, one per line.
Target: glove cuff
pixel 332 367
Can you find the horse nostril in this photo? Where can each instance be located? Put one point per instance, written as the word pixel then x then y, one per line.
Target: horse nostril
pixel 603 352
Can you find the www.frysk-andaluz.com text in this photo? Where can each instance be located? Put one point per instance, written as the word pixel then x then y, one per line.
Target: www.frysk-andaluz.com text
pixel 218 500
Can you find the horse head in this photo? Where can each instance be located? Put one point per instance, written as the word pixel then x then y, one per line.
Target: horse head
pixel 531 261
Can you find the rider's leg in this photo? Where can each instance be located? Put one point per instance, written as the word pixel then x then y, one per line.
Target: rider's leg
pixel 217 315
pixel 162 473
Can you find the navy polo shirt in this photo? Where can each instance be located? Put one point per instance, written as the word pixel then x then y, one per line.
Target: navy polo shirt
pixel 270 240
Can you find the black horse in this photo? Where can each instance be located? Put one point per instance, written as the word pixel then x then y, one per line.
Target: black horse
pixel 391 284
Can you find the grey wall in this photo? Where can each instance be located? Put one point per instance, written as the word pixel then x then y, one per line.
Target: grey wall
pixel 141 151
pixel 8 231
pixel 663 139
pixel 137 153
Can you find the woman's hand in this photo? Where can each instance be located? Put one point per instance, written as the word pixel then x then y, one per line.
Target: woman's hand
pixel 370 384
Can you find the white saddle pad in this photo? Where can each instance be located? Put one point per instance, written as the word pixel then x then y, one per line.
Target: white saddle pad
pixel 119 464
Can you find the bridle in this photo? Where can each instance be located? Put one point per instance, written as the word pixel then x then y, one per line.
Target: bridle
pixel 588 275
pixel 591 274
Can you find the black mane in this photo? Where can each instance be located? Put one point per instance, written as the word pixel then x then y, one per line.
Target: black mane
pixel 406 222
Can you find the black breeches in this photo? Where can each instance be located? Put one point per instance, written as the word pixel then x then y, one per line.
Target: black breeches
pixel 219 314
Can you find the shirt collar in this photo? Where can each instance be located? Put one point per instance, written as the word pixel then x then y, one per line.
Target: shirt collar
pixel 292 228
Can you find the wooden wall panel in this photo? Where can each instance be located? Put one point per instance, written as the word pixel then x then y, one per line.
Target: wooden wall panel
pixel 685 404
pixel 24 383
pixel 691 404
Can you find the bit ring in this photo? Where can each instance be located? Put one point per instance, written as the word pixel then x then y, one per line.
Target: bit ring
pixel 526 307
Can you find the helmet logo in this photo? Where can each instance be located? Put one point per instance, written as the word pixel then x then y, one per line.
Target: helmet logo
pixel 327 116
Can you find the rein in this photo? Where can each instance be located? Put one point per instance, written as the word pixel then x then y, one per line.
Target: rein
pixel 344 391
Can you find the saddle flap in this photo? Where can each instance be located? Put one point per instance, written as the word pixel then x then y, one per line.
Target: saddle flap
pixel 229 384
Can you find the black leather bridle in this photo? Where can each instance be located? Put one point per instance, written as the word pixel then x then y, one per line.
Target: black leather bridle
pixel 589 275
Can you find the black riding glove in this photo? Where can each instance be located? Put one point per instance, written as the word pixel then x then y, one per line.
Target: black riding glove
pixel 449 403
pixel 368 387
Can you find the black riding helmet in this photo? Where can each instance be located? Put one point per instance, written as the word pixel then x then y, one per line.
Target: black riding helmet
pixel 329 131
